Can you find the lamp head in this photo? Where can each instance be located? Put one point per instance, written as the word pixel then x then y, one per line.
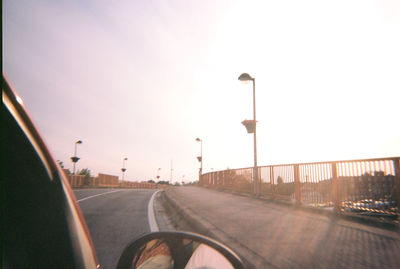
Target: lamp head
pixel 245 77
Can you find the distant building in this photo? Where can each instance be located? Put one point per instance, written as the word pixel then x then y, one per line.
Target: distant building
pixel 105 180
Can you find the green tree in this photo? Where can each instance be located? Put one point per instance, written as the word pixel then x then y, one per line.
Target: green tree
pixel 284 188
pixel 86 173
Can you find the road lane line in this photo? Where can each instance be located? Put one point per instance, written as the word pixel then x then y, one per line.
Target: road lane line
pixel 150 213
pixel 83 199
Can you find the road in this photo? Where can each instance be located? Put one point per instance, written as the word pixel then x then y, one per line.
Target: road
pixel 267 235
pixel 114 218
pixel 270 235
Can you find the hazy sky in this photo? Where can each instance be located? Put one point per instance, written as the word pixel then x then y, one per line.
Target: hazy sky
pixel 143 79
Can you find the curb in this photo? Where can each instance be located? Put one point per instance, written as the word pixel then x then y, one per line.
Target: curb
pixel 182 213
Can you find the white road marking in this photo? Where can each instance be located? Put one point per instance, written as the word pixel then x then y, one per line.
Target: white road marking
pixel 83 199
pixel 150 213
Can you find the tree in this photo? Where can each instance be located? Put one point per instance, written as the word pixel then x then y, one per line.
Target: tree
pixel 284 188
pixel 86 173
pixel 379 173
pixel 61 163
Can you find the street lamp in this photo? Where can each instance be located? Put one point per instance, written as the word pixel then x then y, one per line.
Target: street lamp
pixel 200 158
pixel 75 159
pixel 158 175
pixel 123 169
pixel 251 127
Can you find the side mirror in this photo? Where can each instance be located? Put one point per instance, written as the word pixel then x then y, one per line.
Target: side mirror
pixel 178 250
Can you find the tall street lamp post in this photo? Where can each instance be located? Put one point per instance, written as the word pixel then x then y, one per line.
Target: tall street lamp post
pixel 75 159
pixel 123 169
pixel 200 158
pixel 158 174
pixel 251 127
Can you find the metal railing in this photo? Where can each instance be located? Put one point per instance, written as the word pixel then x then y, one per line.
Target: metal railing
pixel 370 186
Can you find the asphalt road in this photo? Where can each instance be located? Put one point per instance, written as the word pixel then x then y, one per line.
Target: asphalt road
pixel 115 217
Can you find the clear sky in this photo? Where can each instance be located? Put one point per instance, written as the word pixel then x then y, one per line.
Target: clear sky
pixel 144 79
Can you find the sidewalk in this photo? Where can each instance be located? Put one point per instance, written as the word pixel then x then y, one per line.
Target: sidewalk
pixel 269 235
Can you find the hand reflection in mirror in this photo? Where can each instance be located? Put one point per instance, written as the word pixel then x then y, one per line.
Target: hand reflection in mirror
pixel 154 254
pixel 185 254
pixel 205 257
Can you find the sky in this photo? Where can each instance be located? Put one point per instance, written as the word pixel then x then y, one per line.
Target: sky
pixel 144 79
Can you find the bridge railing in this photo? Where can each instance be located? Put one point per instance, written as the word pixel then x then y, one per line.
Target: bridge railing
pixel 370 186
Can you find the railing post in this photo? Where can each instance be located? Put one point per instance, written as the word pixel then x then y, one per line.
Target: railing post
pixel 297 184
pixel 200 176
pixel 259 181
pixel 271 170
pixel 397 179
pixel 335 189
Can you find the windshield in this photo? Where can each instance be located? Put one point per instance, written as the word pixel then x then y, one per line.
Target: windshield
pixel 270 126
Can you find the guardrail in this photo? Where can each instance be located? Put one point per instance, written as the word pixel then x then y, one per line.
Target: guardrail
pixel 370 186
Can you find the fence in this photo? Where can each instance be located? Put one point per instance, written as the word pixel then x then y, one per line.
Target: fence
pixel 370 186
pixel 104 180
pixel 76 180
pixel 137 185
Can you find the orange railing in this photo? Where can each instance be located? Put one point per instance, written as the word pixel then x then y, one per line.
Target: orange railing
pixel 370 186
